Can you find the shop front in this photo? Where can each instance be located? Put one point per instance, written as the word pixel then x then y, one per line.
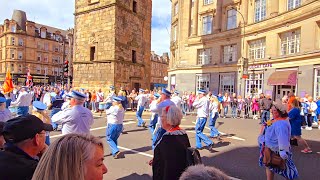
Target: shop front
pixel 283 82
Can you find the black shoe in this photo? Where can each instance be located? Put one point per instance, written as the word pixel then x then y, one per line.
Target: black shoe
pixel 144 124
pixel 117 155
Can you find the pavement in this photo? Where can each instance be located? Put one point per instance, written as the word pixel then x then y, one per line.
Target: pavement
pixel 236 153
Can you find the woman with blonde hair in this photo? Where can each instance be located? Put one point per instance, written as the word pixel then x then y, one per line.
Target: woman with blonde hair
pixel 73 156
pixel 213 107
pixel 115 116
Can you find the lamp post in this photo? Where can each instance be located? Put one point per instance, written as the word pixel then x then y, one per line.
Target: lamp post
pixel 244 54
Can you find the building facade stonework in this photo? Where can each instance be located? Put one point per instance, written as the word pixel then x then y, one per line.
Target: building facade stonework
pixel 28 46
pixel 204 49
pixel 211 38
pixel 282 43
pixel 159 70
pixel 112 43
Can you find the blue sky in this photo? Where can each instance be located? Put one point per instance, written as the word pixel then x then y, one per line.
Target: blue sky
pixel 59 13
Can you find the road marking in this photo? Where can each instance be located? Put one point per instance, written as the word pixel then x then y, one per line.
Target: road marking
pixel 141 153
pixel 222 133
pixel 94 129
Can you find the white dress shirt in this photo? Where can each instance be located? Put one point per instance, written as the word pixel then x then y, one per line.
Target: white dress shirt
pixel 115 115
pixel 24 99
pixel 76 119
pixel 203 107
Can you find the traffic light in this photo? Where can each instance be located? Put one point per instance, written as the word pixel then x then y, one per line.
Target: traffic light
pixel 66 66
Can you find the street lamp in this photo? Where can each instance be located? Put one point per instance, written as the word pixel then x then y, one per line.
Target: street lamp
pixel 244 54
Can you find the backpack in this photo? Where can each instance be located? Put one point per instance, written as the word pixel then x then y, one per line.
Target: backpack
pixel 193 156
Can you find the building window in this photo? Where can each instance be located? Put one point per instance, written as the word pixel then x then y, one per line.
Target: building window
pixel 12 54
pixel 135 7
pixel 229 53
pixel 45 58
pixel 12 67
pixel 38 70
pixel 56 48
pixel 13 28
pixel 20 68
pixel 260 10
pixel 232 19
pixel 43 34
pixel 19 55
pixel 204 56
pixel 254 86
pixel 206 2
pixel 290 42
pixel 292 4
pixel 257 49
pixel 176 9
pixel 39 57
pixel 134 56
pixel 12 41
pixel 174 34
pixel 92 53
pixel 20 42
pixel 317 83
pixel 46 46
pixel 45 70
pixel 207 25
pixel 227 83
pixel 203 81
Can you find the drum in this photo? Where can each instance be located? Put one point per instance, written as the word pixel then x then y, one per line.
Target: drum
pixel 13 110
pixel 102 105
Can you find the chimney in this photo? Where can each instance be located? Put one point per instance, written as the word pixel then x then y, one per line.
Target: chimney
pixel 21 18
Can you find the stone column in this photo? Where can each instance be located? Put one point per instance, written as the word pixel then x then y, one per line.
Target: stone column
pixel 273 7
pixel 195 18
pixel 218 17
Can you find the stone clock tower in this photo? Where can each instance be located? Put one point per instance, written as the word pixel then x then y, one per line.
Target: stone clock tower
pixel 112 43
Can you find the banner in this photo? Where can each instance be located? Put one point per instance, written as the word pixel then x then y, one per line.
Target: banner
pixel 29 82
pixel 8 83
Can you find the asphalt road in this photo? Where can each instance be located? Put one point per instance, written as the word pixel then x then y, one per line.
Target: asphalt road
pixel 236 154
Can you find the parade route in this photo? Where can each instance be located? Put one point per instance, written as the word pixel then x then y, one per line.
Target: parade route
pixel 236 153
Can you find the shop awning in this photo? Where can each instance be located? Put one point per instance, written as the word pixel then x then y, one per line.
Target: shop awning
pixel 283 78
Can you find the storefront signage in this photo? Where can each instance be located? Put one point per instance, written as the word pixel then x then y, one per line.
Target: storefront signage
pixel 256 66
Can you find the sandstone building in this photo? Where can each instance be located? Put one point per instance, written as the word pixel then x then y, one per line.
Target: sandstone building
pixel 29 46
pixel 112 43
pixel 211 38
pixel 159 70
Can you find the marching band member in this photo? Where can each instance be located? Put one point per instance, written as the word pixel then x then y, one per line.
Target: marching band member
pixel 142 99
pixel 39 110
pixel 23 102
pixel 115 116
pixel 5 113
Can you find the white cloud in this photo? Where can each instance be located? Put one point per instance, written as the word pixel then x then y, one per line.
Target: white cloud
pixel 59 14
pixel 160 36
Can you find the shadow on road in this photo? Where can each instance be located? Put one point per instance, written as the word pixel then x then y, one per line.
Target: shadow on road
pixel 134 130
pixel 242 162
pixel 136 176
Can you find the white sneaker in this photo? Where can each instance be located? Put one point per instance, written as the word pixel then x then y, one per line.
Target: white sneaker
pixel 319 127
pixel 308 128
pixel 314 124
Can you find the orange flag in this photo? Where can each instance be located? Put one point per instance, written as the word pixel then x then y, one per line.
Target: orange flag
pixel 8 84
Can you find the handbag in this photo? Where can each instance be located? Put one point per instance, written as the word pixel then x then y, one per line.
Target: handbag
pixel 193 156
pixel 272 159
pixel 294 142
